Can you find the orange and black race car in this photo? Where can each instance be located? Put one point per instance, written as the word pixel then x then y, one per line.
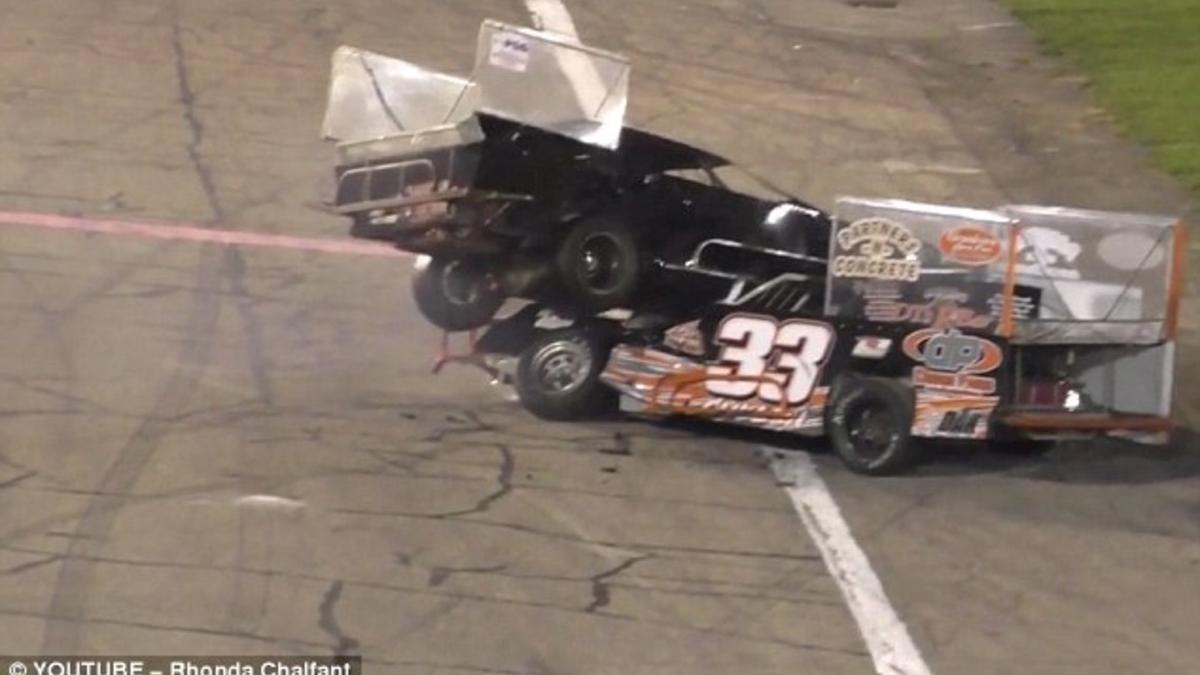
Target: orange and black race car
pixel 1024 324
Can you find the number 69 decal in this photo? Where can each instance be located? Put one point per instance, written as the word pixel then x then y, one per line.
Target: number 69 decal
pixel 780 362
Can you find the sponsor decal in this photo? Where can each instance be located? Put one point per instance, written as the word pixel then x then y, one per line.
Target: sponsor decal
pixel 960 423
pixel 942 309
pixel 1048 253
pixel 778 363
pixel 951 415
pixel 953 361
pixel 725 406
pixel 670 383
pixel 1023 306
pixel 877 248
pixel 685 338
pixel 509 51
pixel 968 245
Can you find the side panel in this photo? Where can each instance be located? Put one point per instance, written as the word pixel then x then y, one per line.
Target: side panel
pixel 958 378
pixel 1130 380
pixel 732 366
pixel 747 365
pixel 738 363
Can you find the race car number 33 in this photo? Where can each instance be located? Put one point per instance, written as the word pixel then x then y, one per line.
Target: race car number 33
pixel 780 362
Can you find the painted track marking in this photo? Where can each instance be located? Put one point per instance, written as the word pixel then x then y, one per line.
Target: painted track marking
pixel 551 15
pixel 198 234
pixel 887 637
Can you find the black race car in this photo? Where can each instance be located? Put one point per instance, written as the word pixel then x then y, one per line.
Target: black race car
pixel 569 208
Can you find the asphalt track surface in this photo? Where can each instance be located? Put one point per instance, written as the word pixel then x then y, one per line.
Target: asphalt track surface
pixel 240 450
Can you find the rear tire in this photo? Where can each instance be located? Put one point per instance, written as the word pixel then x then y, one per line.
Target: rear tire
pixel 870 425
pixel 558 375
pixel 455 295
pixel 599 263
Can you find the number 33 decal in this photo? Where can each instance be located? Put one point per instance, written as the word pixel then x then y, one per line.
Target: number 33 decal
pixel 745 366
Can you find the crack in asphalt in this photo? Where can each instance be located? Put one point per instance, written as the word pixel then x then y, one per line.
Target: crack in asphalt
pixel 256 353
pixel 17 479
pixel 33 564
pixel 563 536
pixel 234 262
pixel 187 97
pixel 332 597
pixel 344 645
pixel 162 627
pixel 503 478
pixel 600 586
pixel 439 574
pixel 472 418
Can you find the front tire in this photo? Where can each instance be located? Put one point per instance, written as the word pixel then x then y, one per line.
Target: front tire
pixel 870 425
pixel 599 263
pixel 558 375
pixel 454 294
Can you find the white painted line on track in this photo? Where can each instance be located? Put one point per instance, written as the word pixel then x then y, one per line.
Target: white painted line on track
pixel 887 638
pixel 903 166
pixel 988 26
pixel 552 15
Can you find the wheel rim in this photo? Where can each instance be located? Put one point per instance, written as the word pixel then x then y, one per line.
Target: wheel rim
pixel 562 367
pixel 872 427
pixel 460 284
pixel 600 262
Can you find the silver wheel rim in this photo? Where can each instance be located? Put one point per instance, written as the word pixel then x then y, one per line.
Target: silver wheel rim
pixel 562 366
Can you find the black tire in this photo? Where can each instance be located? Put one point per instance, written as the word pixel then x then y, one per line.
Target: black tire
pixel 455 295
pixel 552 387
pixel 869 423
pixel 599 263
